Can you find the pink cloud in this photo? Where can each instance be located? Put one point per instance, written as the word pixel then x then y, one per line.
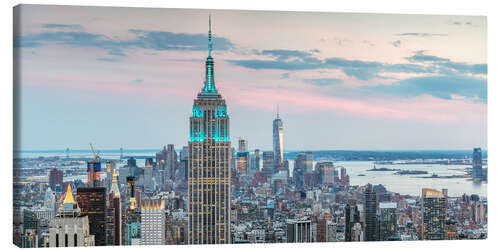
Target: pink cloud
pixel 425 107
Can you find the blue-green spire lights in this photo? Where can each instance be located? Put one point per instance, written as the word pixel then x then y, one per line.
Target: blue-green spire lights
pixel 209 64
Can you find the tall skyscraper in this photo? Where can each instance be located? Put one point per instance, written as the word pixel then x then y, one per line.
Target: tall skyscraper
pixel 242 145
pixel 242 162
pixel 351 219
pixel 161 164
pixel 299 170
pixel 209 183
pixel 388 221
pixel 92 202
pixel 153 222
pixel 256 160
pixel 94 172
pixel 278 139
pixel 371 228
pixel 477 164
pixel 184 156
pixel 148 178
pixel 171 161
pixel 268 163
pixel 433 214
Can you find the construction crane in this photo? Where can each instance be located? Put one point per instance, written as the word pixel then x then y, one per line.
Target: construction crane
pixel 96 155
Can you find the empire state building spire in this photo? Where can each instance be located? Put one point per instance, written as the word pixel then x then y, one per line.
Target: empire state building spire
pixel 209 36
pixel 209 89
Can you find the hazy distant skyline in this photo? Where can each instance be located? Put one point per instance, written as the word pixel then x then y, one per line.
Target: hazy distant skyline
pixel 127 77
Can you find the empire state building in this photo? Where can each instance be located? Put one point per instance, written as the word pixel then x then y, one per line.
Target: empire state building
pixel 209 163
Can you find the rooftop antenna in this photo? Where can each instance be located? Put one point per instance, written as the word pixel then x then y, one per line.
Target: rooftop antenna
pixel 209 35
pixel 278 111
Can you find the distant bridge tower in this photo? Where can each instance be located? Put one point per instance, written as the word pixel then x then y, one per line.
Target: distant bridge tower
pixel 67 153
pixel 121 153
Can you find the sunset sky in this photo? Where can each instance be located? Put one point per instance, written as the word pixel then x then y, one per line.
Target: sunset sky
pixel 127 77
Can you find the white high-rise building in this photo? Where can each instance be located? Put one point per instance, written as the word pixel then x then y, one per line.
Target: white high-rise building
pixel 153 222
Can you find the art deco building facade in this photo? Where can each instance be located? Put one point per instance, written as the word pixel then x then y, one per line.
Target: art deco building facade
pixel 70 228
pixel 209 164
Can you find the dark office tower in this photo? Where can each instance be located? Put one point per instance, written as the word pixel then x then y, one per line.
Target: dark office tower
pixel 92 202
pixel 171 161
pixel 242 145
pixel 352 217
pixel 131 162
pixel 55 178
pixel 210 154
pixel 433 214
pixel 371 227
pixel 184 156
pixel 94 173
pixel 388 221
pixel 347 222
pixel 309 162
pixel 268 163
pixel 299 231
pixel 278 139
pixel 477 165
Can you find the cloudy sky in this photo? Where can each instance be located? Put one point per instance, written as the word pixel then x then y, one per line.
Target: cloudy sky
pixel 126 77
